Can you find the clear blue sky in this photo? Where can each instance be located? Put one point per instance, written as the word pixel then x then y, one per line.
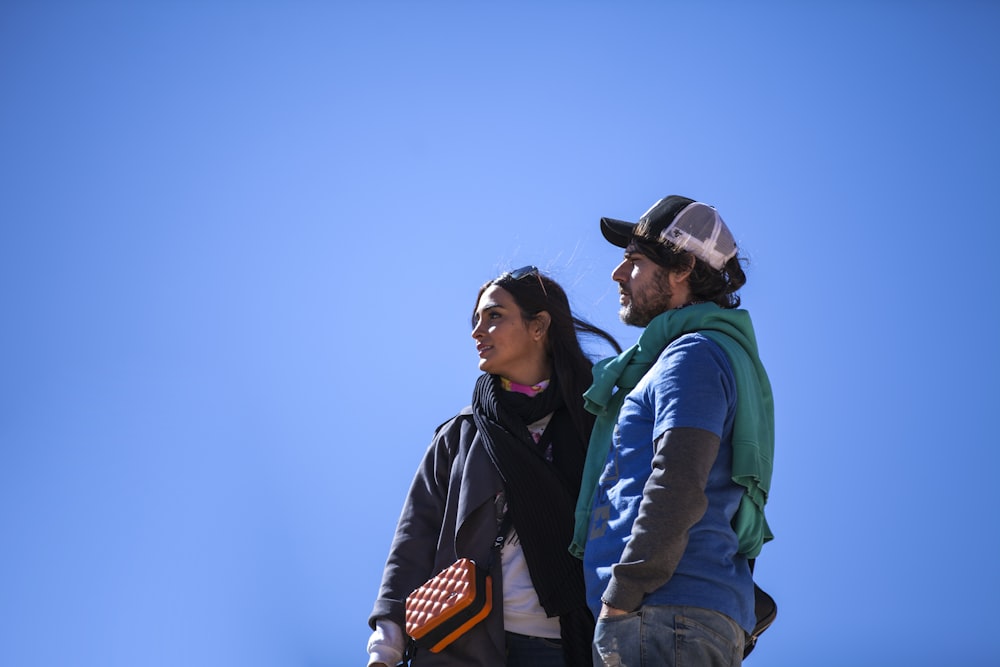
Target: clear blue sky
pixel 240 243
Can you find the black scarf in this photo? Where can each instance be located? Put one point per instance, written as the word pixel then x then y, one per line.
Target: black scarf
pixel 541 498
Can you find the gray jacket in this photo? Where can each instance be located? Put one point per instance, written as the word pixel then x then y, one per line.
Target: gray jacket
pixel 449 513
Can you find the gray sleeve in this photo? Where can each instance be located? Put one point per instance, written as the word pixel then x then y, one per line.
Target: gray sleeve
pixel 411 555
pixel 673 501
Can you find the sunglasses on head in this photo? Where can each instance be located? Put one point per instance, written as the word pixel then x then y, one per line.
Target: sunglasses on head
pixel 529 270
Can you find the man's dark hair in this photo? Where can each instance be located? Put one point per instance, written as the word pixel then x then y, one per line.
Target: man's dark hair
pixel 706 284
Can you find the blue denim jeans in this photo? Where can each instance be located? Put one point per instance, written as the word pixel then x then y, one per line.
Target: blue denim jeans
pixel 525 651
pixel 667 636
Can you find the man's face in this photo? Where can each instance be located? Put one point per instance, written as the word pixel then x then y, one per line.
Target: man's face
pixel 643 287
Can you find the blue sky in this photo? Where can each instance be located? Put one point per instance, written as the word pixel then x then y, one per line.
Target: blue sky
pixel 240 244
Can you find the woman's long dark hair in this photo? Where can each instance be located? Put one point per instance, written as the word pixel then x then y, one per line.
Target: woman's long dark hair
pixel 534 292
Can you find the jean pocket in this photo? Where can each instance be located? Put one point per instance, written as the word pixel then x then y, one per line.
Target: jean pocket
pixel 720 637
pixel 619 618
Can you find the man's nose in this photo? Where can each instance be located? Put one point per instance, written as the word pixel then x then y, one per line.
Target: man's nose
pixel 619 274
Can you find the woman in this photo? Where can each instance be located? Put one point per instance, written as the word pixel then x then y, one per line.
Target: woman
pixel 514 458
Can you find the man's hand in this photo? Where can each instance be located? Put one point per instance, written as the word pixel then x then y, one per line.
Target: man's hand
pixel 607 611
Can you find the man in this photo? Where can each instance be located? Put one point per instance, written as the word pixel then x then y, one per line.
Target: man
pixel 682 451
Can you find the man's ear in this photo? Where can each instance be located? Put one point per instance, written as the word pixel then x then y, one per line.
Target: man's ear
pixel 680 275
pixel 540 324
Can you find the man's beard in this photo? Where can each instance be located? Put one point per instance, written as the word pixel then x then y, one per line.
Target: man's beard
pixel 643 306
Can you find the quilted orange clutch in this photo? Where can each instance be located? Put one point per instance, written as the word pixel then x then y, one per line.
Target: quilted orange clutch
pixel 448 604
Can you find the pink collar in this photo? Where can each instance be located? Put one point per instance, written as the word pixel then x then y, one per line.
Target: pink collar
pixel 528 390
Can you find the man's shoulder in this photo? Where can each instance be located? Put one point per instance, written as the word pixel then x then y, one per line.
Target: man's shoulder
pixel 692 343
pixel 692 352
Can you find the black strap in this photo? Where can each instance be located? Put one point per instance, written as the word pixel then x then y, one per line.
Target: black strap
pixel 765 611
pixel 501 537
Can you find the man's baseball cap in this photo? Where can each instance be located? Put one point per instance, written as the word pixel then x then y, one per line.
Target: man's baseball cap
pixel 682 223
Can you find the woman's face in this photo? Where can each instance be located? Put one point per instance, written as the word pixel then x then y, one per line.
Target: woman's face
pixel 508 345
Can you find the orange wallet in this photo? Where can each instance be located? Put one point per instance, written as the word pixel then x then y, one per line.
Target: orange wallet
pixel 448 604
